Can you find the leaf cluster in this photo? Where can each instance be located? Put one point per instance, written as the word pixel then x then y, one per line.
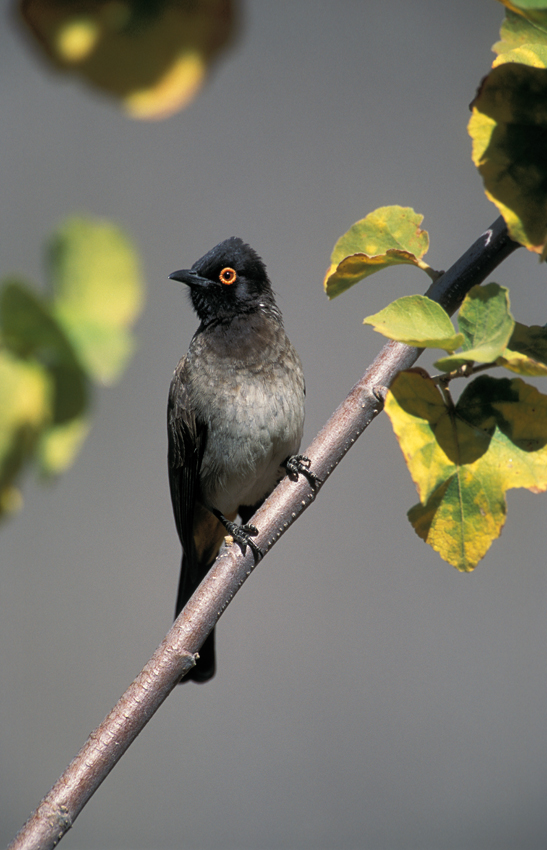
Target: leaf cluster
pixel 463 456
pixel 53 346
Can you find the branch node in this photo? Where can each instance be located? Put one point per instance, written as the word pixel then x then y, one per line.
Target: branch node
pixel 380 393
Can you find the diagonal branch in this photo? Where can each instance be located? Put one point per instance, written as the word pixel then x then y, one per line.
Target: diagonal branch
pixel 175 656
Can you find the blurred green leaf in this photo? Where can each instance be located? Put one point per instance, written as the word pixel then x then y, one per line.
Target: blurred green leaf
pixel 96 284
pixel 28 328
pixel 51 347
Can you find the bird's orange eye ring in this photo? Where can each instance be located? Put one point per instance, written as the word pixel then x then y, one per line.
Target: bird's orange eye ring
pixel 227 276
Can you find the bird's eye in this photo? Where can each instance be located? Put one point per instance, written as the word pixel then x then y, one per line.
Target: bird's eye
pixel 227 276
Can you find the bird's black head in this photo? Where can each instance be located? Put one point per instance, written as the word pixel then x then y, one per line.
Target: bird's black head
pixel 230 280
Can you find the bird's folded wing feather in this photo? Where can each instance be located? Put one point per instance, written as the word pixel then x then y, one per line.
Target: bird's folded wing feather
pixel 186 444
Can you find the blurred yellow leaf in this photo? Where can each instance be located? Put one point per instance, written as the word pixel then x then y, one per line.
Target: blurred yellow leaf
pixel 59 444
pixel 25 407
pixel 153 56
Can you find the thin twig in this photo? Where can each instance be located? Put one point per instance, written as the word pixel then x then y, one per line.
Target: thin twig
pixel 175 656
pixel 467 370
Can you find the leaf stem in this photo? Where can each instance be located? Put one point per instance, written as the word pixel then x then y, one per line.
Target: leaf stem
pixel 466 370
pixel 430 272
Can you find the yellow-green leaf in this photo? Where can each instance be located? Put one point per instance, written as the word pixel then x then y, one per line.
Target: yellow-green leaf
pixel 386 237
pixel 508 127
pixel 417 320
pixel 460 520
pixel 464 459
pixel 97 288
pixel 433 440
pixel 153 57
pixel 486 324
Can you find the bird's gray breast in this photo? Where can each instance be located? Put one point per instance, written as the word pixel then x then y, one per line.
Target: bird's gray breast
pixel 246 384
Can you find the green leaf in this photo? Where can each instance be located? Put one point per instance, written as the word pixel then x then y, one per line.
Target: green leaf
pixel 463 460
pixel 526 352
pixel 417 320
pixel 508 127
pixel 30 330
pixel 486 323
pixel 95 280
pixel 386 237
pixel 25 407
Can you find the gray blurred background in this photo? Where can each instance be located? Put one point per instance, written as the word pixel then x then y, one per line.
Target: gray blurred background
pixel 368 695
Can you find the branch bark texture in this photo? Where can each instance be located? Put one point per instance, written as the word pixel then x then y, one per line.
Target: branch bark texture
pixel 175 656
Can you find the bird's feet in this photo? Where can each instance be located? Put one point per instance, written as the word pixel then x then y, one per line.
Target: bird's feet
pixel 300 465
pixel 242 535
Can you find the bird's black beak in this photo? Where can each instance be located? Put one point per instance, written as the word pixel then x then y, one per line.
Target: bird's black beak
pixel 189 277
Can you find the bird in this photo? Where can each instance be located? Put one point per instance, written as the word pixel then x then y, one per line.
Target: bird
pixel 235 415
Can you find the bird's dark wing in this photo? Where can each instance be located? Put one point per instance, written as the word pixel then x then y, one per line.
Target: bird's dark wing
pixel 186 444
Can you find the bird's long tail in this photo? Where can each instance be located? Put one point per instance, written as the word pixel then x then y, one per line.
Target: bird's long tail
pixel 207 540
pixel 206 665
